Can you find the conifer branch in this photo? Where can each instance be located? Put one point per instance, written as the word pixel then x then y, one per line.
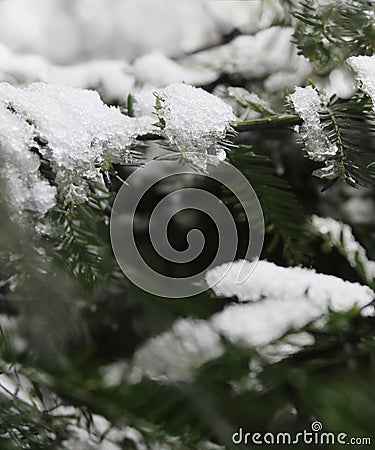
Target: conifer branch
pixel 282 121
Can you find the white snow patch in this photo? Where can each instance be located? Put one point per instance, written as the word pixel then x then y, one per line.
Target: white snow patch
pixel 112 78
pixel 307 104
pixel 280 299
pixel 175 354
pixel 159 70
pixel 26 190
pixel 194 119
pixel 364 66
pixel 254 56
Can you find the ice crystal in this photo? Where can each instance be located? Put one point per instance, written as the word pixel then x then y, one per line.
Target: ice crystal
pixel 195 121
pixel 307 104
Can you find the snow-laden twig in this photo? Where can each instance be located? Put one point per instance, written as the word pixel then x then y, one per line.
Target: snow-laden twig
pixel 340 235
pixel 70 128
pixel 274 301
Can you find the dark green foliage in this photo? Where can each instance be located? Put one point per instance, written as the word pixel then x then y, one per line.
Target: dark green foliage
pixel 84 248
pixel 350 124
pixel 285 219
pixel 329 35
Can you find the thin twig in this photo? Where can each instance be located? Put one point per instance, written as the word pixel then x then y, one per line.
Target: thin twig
pixel 267 122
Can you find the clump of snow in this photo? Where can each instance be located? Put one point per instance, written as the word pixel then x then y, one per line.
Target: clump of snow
pixel 276 303
pixel 341 83
pixel 112 78
pixel 364 66
pixel 67 32
pixel 279 300
pixel 287 346
pixel 159 70
pixel 195 121
pixel 26 190
pixel 307 104
pixel 71 128
pixel 145 101
pixel 341 236
pixel 22 68
pixel 176 353
pixel 291 283
pixel 256 56
pixel 247 16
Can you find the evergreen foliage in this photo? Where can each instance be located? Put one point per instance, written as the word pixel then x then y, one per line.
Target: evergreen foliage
pixel 72 326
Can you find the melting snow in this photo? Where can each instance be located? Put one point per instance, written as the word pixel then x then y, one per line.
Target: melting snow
pixel 307 104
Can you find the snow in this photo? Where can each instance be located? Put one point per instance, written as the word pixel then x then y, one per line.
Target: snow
pixel 195 120
pixel 145 101
pixel 80 133
pixel 71 31
pixel 278 300
pixel 256 56
pixel 247 16
pixel 77 133
pixel 341 83
pixel 307 104
pixel 273 300
pixel 291 283
pixel 341 236
pixel 159 70
pixel 175 354
pixel 364 66
pixel 112 78
pixel 26 191
pixel 328 3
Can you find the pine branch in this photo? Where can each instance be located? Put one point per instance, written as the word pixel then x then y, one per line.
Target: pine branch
pixel 281 121
pixel 85 250
pixel 339 235
pixel 276 121
pixel 350 124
